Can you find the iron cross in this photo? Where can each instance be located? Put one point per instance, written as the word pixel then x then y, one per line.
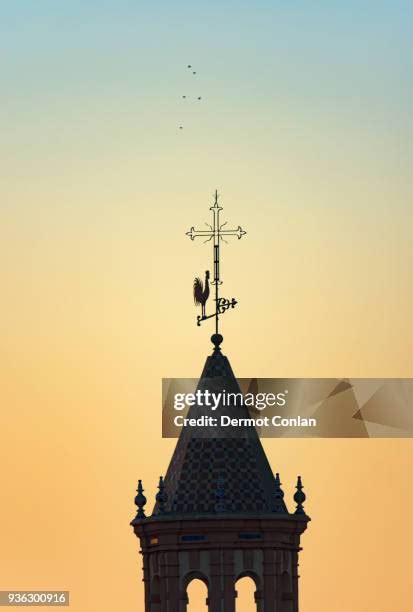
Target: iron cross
pixel 216 233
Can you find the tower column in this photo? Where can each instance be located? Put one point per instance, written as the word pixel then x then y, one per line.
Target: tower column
pixel 269 575
pixel 259 601
pixel 228 575
pixel 162 585
pixel 295 577
pixel 171 579
pixel 146 581
pixel 215 603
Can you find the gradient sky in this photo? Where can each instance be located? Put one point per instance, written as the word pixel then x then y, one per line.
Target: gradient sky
pixel 305 129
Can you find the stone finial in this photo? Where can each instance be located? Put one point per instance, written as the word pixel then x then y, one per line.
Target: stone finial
pixel 299 497
pixel 140 501
pixel 216 340
pixel 279 493
pixel 279 505
pixel 161 496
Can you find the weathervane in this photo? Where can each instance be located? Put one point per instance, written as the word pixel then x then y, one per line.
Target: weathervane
pixel 216 232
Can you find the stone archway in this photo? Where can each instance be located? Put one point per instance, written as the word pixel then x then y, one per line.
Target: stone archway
pixel 196 589
pixel 248 592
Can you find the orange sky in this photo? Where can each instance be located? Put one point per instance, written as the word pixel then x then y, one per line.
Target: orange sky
pixel 305 132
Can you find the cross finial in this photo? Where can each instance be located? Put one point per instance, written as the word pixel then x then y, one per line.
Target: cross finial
pixel 216 233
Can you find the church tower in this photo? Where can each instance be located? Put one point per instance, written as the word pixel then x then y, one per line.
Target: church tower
pixel 220 512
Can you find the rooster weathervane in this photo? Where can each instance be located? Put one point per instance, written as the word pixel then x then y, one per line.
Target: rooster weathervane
pixel 216 232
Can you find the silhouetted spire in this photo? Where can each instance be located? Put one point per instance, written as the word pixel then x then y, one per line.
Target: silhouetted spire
pixel 140 501
pixel 299 497
pixel 237 456
pixel 161 497
pixel 279 505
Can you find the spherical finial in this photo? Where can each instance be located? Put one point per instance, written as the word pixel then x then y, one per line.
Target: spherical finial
pixel 140 501
pixel 217 339
pixel 299 497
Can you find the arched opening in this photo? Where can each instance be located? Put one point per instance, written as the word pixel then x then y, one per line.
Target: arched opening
pixel 248 593
pixel 196 592
pixel 156 594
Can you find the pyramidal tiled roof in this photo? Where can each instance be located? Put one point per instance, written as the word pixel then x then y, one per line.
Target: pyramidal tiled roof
pixel 214 471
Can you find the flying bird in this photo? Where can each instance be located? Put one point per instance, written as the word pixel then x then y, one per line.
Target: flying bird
pixel 199 98
pixel 181 127
pixel 189 66
pixel 194 73
pixel 184 96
